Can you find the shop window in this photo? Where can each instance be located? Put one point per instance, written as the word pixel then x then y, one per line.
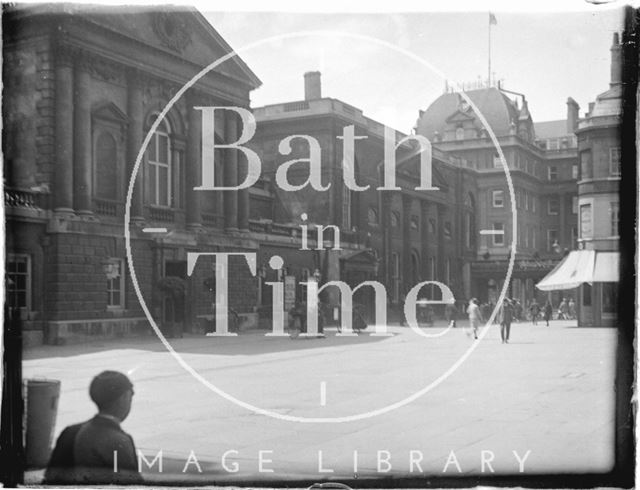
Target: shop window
pixel 586 294
pixel 609 297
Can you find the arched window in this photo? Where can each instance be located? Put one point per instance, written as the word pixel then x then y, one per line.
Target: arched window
pixel 372 217
pixel 395 220
pixel 459 133
pixel 106 167
pixel 159 159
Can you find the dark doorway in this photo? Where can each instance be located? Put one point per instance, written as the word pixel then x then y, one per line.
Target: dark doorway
pixel 175 268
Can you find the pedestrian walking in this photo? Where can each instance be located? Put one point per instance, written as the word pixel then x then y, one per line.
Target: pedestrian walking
pixel 475 317
pixel 548 312
pixel 98 451
pixel 506 317
pixel 563 310
pixel 534 311
pixel 450 314
pixel 572 309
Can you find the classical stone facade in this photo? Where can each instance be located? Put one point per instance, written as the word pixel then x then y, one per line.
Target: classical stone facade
pixel 398 237
pixel 82 89
pixel 542 163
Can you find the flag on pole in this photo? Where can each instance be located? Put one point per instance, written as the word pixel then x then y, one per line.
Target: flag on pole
pixel 492 19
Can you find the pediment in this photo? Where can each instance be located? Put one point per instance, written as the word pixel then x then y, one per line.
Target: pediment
pixel 108 111
pixel 181 33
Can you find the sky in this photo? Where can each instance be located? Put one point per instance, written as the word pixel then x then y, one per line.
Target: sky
pixel 545 54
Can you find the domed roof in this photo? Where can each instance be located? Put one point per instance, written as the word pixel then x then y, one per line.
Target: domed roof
pixel 495 106
pixel 608 103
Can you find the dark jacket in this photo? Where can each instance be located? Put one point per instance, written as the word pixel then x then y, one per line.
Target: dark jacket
pixel 84 453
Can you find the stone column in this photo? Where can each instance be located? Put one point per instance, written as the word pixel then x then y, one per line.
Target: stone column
pixel 193 178
pixel 63 192
pixel 407 272
pixel 134 142
pixel 243 194
pixel 82 161
pixel 562 232
pixel 231 174
pixel 440 256
pixel 424 237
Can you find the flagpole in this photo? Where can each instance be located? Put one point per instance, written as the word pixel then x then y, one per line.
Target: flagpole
pixel 489 73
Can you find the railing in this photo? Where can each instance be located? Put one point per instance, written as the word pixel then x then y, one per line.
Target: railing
pixel 161 214
pixel 14 198
pixel 105 207
pixel 213 220
pixel 302 105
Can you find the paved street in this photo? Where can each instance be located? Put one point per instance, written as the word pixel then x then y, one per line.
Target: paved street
pixel 547 395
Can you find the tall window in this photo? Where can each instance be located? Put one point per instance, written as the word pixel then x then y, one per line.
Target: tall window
pixel 574 171
pixel 468 229
pixel 574 204
pixel 534 201
pixel 115 284
pixel 159 154
pixel 346 208
pixel 18 281
pixel 552 239
pixel 553 205
pixel 553 172
pixel 395 219
pixel 498 236
pixel 614 161
pixel 106 167
pixel 586 228
pixel 459 133
pixel 497 199
pixel 496 161
pixel 372 217
pixel 614 216
pixel 395 270
pixel 586 167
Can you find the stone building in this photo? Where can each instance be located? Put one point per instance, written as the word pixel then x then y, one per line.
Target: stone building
pixel 542 163
pixel 593 270
pixel 82 87
pixel 399 237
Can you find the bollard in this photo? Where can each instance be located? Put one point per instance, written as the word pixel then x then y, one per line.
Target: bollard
pixel 42 407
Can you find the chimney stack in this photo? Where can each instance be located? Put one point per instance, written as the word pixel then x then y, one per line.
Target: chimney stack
pixel 312 85
pixel 616 60
pixel 573 114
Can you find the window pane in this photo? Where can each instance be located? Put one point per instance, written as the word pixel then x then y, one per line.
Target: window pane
pixel 106 167
pixel 163 182
pixel 153 191
pixel 162 149
pixel 152 148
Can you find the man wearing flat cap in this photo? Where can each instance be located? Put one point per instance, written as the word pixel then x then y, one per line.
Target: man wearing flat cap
pixel 98 450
